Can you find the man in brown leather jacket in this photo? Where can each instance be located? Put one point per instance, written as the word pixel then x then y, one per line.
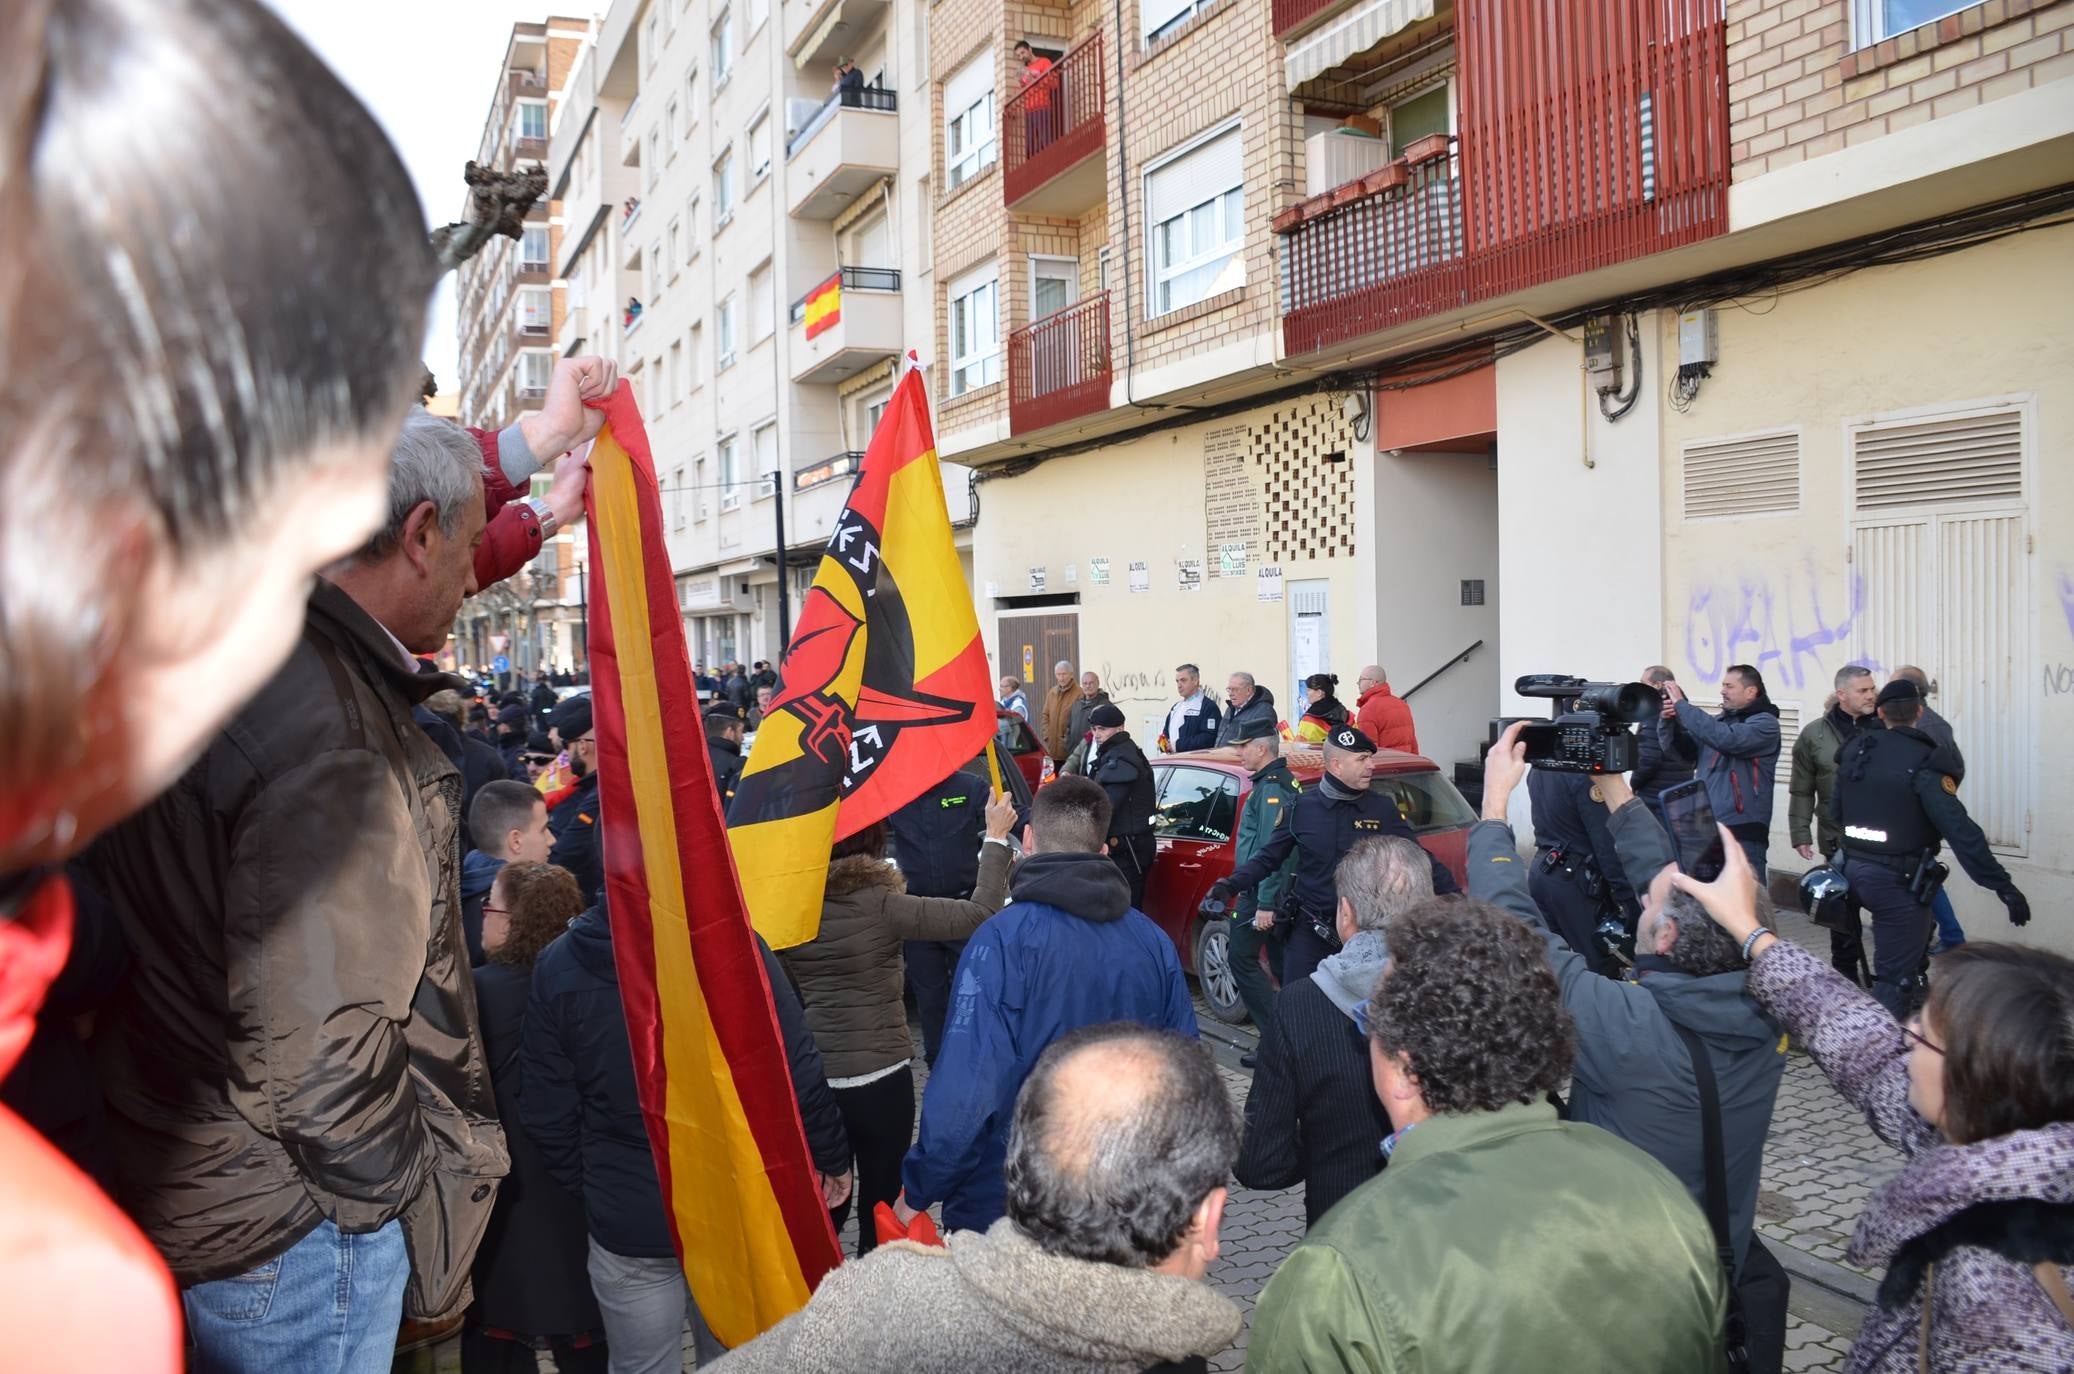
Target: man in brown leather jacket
pixel 296 1081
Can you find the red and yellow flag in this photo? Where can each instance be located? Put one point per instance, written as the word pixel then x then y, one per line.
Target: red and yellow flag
pixel 744 1198
pixel 824 305
pixel 884 691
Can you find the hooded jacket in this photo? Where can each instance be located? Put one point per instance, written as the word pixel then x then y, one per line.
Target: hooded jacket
pixel 1633 1074
pixel 478 873
pixel 1067 952
pixel 992 1301
pixel 1739 757
pixel 1259 706
pixel 1961 1225
pixel 850 975
pixel 579 1103
pixel 298 1042
pixel 1312 1116
pixel 1811 790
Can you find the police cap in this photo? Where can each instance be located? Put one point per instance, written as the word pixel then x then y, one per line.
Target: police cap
pixel 1350 740
pixel 727 710
pixel 572 718
pixel 1900 689
pixel 1252 728
pixel 1106 716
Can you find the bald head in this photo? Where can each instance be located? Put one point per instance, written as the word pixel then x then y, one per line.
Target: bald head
pixel 1911 673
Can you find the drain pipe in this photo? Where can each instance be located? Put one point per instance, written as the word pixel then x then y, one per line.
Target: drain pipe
pixel 1123 200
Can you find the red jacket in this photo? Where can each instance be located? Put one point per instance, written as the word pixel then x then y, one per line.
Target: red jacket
pixel 511 539
pixel 1384 718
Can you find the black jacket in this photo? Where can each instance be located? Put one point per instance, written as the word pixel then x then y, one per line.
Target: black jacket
pixel 1568 816
pixel 1664 757
pixel 1124 774
pixel 726 756
pixel 1320 830
pixel 477 760
pixel 1259 706
pixel 574 824
pixel 936 837
pixel 579 1103
pixel 530 1274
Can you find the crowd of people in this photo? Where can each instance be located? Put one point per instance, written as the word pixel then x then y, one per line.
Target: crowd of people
pixel 332 1012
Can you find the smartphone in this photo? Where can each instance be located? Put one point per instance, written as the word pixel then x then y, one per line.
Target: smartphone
pixel 1691 818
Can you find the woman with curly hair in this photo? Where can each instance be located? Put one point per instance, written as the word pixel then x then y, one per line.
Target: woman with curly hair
pixel 532 1288
pixel 1976 1232
pixel 1500 1237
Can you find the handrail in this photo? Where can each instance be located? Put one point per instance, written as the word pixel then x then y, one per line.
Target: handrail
pixel 1462 657
pixel 849 279
pixel 849 98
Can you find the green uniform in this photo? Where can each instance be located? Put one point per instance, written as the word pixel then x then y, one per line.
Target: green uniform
pixel 1274 795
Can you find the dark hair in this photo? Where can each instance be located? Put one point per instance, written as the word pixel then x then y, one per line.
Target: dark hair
pixel 718 726
pixel 499 808
pixel 1700 947
pixel 1188 668
pixel 2006 1013
pixel 1749 675
pixel 1109 1162
pixel 1656 675
pixel 871 841
pixel 1023 43
pixel 191 310
pixel 1070 815
pixel 1470 1001
pixel 1323 682
pixel 542 901
pixel 1902 712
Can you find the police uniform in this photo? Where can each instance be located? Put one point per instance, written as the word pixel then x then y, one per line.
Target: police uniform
pixel 1123 773
pixel 725 753
pixel 1896 802
pixel 1268 807
pixel 1576 878
pixel 936 839
pixel 1324 823
pixel 574 820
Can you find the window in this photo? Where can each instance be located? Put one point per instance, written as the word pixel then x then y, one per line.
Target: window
pixel 696 356
pixel 1102 268
pixel 702 493
pixel 1160 17
pixel 1196 211
pixel 536 310
pixel 760 147
pixel 730 473
pixel 870 409
pixel 1873 20
pixel 677 498
pixel 533 249
pixel 670 122
pixel 676 373
pixel 1196 804
pixel 723 48
pixel 766 441
pixel 532 373
pixel 968 120
pixel 724 189
pixel 724 334
pixel 1054 285
pixel 651 274
pixel 763 311
pixel 652 39
pixel 691 94
pixel 532 119
pixel 1428 112
pixel 759 11
pixel 691 229
pixel 1426 801
pixel 653 172
pixel 869 242
pixel 975 329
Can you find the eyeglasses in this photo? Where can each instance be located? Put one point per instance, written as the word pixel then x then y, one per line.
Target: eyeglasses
pixel 1908 1028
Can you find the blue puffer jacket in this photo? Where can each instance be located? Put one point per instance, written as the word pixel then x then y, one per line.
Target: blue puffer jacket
pixel 1068 951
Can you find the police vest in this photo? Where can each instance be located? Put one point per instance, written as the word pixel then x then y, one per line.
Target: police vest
pixel 1876 804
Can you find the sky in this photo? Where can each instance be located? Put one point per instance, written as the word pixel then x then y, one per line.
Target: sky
pixel 428 69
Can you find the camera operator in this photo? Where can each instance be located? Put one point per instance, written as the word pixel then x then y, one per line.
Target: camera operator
pixel 1323 825
pixel 1577 879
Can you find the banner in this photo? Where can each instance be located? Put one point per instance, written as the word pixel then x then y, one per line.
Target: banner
pixel 743 1195
pixel 884 691
pixel 824 305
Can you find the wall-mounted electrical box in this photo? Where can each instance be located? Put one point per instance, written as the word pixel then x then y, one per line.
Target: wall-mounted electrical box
pixel 1602 353
pixel 1696 339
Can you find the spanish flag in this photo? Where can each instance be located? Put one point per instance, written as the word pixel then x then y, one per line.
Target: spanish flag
pixel 824 305
pixel 884 691
pixel 744 1199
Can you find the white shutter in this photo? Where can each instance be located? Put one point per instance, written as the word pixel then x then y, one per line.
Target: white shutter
pixel 1750 474
pixel 1203 172
pixel 1893 618
pixel 1966 457
pixel 1154 15
pixel 967 85
pixel 1983 675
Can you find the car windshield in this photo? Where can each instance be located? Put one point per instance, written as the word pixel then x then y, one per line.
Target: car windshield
pixel 1426 801
pixel 1012 780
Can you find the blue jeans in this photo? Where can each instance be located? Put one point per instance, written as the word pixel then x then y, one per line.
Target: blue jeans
pixel 330 1305
pixel 1755 851
pixel 1948 929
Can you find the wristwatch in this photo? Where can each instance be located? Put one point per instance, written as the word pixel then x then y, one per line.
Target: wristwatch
pixel 544 513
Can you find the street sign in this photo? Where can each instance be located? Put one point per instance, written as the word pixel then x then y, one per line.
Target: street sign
pixel 500 664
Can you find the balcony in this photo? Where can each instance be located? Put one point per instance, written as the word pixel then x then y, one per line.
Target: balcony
pixel 1058 368
pixel 1625 155
pixel 529 150
pixel 847 323
pixel 817 32
pixel 1291 15
pixel 532 334
pixel 527 83
pixel 1051 138
pixel 851 142
pixel 830 469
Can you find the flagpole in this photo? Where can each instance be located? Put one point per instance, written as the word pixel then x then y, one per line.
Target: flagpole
pixel 784 578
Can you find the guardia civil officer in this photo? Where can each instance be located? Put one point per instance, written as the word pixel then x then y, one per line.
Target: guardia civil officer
pixel 573 819
pixel 1121 769
pixel 726 725
pixel 1576 879
pixel 1897 799
pixel 936 839
pixel 1323 825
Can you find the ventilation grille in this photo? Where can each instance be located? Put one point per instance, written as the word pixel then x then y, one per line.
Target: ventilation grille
pixel 1757 474
pixel 1925 462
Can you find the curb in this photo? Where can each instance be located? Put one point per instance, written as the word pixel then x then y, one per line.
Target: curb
pixel 1824 1274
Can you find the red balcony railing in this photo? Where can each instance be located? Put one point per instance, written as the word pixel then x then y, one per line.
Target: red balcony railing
pixel 1053 123
pixel 1058 368
pixel 1590 135
pixel 1292 14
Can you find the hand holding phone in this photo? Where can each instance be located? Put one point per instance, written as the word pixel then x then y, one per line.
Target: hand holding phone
pixel 1693 831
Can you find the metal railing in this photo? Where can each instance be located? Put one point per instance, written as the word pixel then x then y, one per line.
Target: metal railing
pixel 854 98
pixel 1054 122
pixel 1059 366
pixel 1379 259
pixel 1462 657
pixel 848 279
pixel 833 468
pixel 1291 13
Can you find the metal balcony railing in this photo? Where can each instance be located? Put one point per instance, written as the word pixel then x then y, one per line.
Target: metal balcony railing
pixel 1058 367
pixel 1054 122
pixel 857 98
pixel 1383 257
pixel 847 279
pixel 1291 14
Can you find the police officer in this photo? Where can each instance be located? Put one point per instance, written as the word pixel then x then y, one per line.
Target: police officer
pixel 726 723
pixel 1896 800
pixel 936 839
pixel 574 820
pixel 1121 769
pixel 1576 879
pixel 1322 826
pixel 1252 925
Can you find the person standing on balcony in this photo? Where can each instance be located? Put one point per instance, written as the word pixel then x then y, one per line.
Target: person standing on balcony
pixel 847 78
pixel 1041 85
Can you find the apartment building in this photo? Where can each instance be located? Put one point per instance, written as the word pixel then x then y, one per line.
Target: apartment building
pixel 760 226
pixel 513 311
pixel 1480 338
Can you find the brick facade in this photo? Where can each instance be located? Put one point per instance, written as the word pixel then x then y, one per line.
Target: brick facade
pixel 1798 88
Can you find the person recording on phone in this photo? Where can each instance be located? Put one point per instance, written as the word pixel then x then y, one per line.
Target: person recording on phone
pixel 1635 1073
pixel 1739 754
pixel 1897 802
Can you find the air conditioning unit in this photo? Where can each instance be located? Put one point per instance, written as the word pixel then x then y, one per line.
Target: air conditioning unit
pixel 1338 156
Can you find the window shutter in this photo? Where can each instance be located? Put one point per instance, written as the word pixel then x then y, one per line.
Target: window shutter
pixel 1753 474
pixel 1157 14
pixel 965 87
pixel 1204 172
pixel 1977 457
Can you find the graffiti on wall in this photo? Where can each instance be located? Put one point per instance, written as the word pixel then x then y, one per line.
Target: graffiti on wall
pixel 1779 622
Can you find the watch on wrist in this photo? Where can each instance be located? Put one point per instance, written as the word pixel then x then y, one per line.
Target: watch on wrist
pixel 544 513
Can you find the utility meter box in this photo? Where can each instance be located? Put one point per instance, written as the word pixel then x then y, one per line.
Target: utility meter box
pixel 1602 353
pixel 1696 341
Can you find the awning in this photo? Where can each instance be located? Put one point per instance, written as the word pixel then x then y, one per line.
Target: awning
pixel 1359 29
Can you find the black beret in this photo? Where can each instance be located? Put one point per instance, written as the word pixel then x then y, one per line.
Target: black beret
pixel 1353 741
pixel 1900 689
pixel 1106 715
pixel 572 718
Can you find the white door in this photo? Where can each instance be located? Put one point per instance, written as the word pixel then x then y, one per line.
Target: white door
pixel 1054 285
pixel 1057 356
pixel 1310 638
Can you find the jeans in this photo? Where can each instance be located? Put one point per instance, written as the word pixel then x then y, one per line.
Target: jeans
pixel 880 1119
pixel 644 1303
pixel 1243 945
pixel 1755 851
pixel 1900 932
pixel 1949 932
pixel 331 1304
pixel 931 964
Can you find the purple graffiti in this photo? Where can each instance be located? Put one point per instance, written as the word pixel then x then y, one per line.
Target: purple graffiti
pixel 1752 623
pixel 2067 598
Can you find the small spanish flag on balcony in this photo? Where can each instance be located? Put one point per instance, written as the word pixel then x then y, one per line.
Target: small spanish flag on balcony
pixel 744 1200
pixel 825 305
pixel 884 691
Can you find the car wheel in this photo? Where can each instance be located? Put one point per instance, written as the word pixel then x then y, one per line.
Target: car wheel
pixel 1213 972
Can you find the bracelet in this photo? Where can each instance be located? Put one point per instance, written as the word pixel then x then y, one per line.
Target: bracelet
pixel 1751 939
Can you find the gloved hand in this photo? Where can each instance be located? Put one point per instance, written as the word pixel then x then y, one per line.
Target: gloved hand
pixel 2019 907
pixel 1220 899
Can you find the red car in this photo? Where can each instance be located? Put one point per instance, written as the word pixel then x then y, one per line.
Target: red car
pixel 1020 741
pixel 1196 817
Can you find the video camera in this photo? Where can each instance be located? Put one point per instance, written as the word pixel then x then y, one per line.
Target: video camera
pixel 1593 734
